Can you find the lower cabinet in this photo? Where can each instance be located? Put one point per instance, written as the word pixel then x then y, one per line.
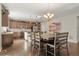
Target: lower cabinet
pixel 18 35
pixel 7 40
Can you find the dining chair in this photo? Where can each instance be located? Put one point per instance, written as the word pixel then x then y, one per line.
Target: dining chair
pixel 60 44
pixel 32 41
pixel 36 42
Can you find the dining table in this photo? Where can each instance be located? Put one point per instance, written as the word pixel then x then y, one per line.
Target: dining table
pixel 46 37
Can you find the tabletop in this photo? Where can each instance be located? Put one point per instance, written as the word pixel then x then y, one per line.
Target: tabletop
pixel 47 35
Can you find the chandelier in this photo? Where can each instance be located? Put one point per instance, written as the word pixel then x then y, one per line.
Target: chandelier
pixel 49 15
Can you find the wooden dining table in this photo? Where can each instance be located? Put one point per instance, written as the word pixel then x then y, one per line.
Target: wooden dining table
pixel 47 36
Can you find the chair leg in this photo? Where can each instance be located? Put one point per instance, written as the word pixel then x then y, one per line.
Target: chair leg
pixel 67 50
pixel 46 50
pixel 32 49
pixel 58 53
pixel 38 52
pixel 54 51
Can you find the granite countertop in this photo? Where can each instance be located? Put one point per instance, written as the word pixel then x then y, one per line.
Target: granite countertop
pixel 7 33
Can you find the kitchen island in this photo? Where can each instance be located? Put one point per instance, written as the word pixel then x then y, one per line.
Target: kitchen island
pixel 7 39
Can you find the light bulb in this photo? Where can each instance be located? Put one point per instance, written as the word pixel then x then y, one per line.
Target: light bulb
pixel 48 14
pixel 45 16
pixel 51 15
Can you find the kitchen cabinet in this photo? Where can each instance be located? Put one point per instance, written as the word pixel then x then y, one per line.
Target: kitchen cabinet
pixel 23 24
pixel 7 40
pixel 5 19
pixel 18 35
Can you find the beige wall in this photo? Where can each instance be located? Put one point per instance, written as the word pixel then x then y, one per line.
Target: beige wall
pixel 78 28
pixel 44 26
pixel 69 23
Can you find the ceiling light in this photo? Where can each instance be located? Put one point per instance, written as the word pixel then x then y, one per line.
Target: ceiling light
pixel 49 15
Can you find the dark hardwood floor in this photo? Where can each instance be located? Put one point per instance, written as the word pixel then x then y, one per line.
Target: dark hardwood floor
pixel 23 48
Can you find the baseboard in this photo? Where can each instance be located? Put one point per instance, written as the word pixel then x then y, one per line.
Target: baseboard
pixel 73 41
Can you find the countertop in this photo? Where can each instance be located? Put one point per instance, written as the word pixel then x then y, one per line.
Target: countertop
pixel 7 33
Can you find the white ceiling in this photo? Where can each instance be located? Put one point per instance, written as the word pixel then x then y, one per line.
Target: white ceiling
pixel 25 11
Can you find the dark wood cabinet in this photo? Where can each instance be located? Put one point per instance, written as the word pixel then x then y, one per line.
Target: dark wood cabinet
pixel 22 24
pixel 18 35
pixel 5 19
pixel 7 40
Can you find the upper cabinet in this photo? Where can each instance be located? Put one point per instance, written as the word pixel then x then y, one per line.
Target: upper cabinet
pixel 5 19
pixel 24 25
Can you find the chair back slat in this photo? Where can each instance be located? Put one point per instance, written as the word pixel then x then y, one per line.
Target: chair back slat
pixel 62 37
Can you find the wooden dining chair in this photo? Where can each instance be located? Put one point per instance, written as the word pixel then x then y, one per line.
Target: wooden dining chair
pixel 60 43
pixel 36 43
pixel 63 42
pixel 32 42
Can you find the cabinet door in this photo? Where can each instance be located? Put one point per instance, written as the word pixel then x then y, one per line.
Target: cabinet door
pixel 24 25
pixel 21 25
pixel 7 40
pixel 5 19
pixel 14 25
pixel 10 24
pixel 18 25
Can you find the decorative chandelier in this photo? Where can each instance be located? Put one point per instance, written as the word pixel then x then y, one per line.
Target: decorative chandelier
pixel 49 15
